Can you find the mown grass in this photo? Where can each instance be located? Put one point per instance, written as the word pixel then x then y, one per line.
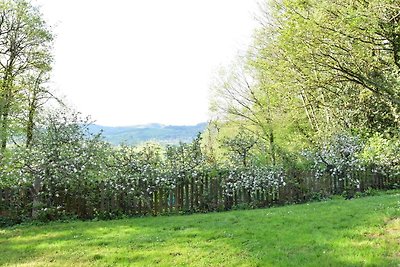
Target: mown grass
pixel 358 232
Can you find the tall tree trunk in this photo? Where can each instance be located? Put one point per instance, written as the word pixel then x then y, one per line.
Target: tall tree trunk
pixel 4 127
pixel 31 123
pixel 272 145
pixel 29 129
pixel 7 87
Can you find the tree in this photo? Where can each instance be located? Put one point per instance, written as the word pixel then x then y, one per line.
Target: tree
pixel 34 96
pixel 331 53
pixel 65 156
pixel 240 147
pixel 25 44
pixel 240 96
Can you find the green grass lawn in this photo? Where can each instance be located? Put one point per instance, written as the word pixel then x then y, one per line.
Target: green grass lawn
pixel 358 232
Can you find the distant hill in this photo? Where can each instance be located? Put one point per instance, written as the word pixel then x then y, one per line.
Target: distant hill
pixel 164 134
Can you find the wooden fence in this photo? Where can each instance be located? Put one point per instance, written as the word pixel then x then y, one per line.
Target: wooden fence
pixel 194 194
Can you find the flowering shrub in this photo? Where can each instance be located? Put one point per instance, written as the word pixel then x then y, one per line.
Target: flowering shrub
pixel 65 160
pixel 339 158
pixel 344 156
pixel 69 172
pixel 254 179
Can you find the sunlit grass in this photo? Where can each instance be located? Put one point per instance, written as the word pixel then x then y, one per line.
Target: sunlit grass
pixel 358 232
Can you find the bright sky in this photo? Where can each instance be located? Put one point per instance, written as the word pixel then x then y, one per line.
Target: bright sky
pixel 128 62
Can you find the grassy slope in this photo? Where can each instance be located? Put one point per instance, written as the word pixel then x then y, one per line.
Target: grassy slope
pixel 359 232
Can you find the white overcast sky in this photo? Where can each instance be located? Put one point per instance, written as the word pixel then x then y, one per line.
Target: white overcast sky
pixel 129 62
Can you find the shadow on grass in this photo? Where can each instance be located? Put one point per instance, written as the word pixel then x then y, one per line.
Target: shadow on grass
pixel 333 233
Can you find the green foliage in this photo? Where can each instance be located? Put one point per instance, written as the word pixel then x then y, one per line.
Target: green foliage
pixel 322 80
pixel 339 58
pixel 240 148
pixel 25 59
pixel 383 153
